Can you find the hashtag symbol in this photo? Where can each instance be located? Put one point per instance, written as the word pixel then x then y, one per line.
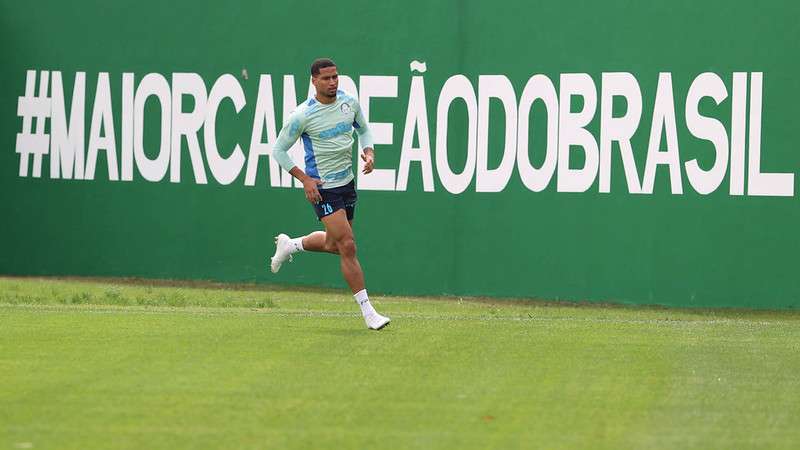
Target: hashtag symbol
pixel 32 107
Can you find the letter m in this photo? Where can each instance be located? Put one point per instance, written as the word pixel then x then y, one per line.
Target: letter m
pixel 66 141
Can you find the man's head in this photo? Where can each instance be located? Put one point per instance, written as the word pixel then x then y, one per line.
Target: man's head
pixel 325 78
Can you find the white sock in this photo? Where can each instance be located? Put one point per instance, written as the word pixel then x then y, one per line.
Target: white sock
pixel 363 302
pixel 296 244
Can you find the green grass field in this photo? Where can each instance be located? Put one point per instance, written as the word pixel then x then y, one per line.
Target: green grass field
pixel 112 364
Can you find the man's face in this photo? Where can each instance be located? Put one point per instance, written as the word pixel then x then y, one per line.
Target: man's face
pixel 327 82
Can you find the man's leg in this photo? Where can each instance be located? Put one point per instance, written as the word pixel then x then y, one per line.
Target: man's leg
pixel 318 242
pixel 339 239
pixel 339 235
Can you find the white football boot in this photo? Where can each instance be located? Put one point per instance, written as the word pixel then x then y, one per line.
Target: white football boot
pixel 376 321
pixel 283 252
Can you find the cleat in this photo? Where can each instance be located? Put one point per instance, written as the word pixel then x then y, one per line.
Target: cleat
pixel 376 321
pixel 282 253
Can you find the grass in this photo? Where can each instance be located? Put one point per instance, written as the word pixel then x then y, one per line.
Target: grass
pixel 99 364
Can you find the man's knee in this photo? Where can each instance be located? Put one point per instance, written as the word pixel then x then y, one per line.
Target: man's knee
pixel 346 246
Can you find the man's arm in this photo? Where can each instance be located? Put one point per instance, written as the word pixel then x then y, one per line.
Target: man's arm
pixel 286 138
pixel 280 151
pixel 364 141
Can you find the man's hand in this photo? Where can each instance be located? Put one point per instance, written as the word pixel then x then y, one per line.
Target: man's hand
pixel 369 160
pixel 310 186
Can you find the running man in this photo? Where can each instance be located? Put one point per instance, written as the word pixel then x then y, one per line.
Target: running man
pixel 325 123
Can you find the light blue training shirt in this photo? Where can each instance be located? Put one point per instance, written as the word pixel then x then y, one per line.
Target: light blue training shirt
pixel 327 134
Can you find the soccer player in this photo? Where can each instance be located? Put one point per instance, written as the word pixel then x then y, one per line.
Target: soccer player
pixel 325 123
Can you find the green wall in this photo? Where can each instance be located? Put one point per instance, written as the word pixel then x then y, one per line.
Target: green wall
pixel 685 249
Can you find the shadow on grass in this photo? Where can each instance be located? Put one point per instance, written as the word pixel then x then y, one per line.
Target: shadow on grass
pixel 340 332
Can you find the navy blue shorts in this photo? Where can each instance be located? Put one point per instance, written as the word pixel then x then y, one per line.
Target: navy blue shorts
pixel 334 199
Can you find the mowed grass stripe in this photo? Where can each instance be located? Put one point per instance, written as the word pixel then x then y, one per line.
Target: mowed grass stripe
pixel 304 373
pixel 169 294
pixel 284 312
